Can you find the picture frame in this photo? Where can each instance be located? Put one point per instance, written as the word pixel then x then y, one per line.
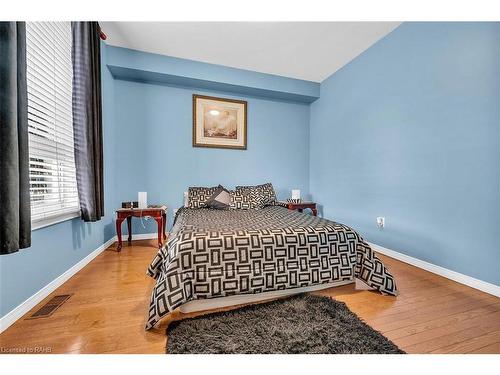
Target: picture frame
pixel 219 122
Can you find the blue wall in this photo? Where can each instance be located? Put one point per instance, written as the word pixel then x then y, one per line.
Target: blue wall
pixel 129 64
pixel 58 247
pixel 410 130
pixel 156 153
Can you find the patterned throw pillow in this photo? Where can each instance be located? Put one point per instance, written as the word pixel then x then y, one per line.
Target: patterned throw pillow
pixel 198 196
pixel 267 194
pixel 220 199
pixel 243 199
pixel 254 197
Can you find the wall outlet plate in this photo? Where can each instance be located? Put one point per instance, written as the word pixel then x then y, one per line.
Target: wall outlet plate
pixel 381 222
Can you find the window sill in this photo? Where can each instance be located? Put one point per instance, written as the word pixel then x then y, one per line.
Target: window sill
pixel 48 221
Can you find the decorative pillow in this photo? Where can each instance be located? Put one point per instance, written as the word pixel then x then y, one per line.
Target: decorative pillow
pixel 258 196
pixel 267 194
pixel 220 199
pixel 243 199
pixel 198 196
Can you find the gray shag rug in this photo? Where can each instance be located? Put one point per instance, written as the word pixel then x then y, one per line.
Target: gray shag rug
pixel 300 324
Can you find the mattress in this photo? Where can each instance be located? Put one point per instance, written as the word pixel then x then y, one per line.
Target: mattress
pixel 220 253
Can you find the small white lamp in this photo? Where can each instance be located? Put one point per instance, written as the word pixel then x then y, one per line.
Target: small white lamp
pixel 143 199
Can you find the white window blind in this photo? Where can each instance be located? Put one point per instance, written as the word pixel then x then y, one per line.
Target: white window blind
pixel 53 188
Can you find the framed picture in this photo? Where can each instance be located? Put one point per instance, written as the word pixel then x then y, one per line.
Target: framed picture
pixel 219 122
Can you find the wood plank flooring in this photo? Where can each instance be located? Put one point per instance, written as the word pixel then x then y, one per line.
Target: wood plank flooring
pixel 107 311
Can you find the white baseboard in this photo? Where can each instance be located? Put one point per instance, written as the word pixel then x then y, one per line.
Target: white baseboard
pixel 8 319
pixel 143 236
pixel 441 271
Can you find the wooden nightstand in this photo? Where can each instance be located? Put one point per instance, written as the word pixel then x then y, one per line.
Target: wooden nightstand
pixel 157 213
pixel 302 206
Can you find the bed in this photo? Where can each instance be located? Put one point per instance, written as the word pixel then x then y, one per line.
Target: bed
pixel 216 258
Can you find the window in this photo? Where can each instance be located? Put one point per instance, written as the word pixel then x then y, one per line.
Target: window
pixel 53 191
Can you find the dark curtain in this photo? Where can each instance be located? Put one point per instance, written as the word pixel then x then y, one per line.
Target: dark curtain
pixel 15 213
pixel 87 118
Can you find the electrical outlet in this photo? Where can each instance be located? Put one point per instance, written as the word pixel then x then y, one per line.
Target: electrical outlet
pixel 381 222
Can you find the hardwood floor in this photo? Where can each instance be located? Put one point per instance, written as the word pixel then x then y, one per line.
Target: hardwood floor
pixel 107 311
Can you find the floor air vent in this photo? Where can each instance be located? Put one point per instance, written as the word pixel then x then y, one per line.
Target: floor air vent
pixel 50 307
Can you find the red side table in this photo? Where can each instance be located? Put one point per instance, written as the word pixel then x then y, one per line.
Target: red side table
pixel 157 213
pixel 301 206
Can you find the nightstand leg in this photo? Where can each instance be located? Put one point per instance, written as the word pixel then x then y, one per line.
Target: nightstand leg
pixel 129 228
pixel 159 221
pixel 164 216
pixel 119 233
pixel 314 211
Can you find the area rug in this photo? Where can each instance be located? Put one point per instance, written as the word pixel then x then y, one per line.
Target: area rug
pixel 299 324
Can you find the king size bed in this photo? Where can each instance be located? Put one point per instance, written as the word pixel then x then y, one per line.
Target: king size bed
pixel 215 258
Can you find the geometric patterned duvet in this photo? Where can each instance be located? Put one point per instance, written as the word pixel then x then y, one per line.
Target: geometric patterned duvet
pixel 215 253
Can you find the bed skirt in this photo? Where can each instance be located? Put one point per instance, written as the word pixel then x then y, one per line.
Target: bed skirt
pixel 241 299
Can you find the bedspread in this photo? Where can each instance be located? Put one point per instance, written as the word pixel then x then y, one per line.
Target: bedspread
pixel 216 253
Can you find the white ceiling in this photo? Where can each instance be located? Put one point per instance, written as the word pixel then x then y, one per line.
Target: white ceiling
pixel 304 50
